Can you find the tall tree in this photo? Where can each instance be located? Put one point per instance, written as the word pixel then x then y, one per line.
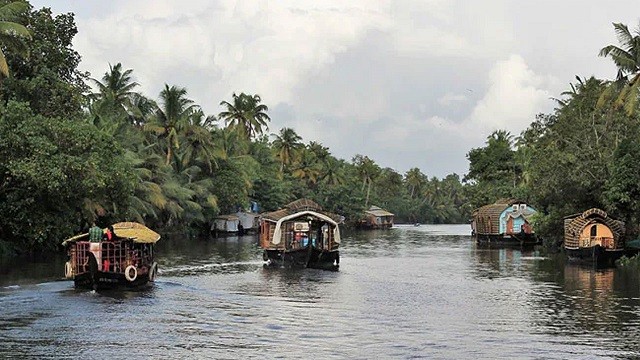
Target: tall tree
pixel 172 117
pixel 286 146
pixel 49 80
pixel 247 114
pixel 627 59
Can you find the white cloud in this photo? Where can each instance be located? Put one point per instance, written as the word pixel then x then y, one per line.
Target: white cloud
pixel 515 95
pixel 409 83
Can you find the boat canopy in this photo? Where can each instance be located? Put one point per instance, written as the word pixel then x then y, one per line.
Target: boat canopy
pixel 278 231
pixel 128 230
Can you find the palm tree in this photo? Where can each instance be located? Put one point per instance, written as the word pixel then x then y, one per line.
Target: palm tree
pixel 286 145
pixel 116 86
pixel 199 141
pixel 627 59
pixel 172 117
pixel 414 178
pixel 12 34
pixel 368 171
pixel 246 114
pixel 307 168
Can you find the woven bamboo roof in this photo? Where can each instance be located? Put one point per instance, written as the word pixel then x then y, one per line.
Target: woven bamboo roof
pixel 574 224
pixel 299 205
pixel 128 230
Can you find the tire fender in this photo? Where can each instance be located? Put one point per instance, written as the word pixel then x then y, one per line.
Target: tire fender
pixel 131 273
pixel 68 270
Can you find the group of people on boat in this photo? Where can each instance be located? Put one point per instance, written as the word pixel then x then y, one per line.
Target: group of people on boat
pixel 97 234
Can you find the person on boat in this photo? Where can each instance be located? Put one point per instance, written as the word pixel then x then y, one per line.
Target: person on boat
pixel 109 234
pixel 95 233
pixel 240 229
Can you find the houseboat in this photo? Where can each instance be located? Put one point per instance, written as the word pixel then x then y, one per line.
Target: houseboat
pixel 376 218
pixel 301 234
pixel 593 236
pixel 240 223
pixel 125 260
pixel 504 223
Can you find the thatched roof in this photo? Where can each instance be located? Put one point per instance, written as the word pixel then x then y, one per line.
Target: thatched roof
pixel 128 230
pixel 299 205
pixel 574 224
pixel 376 211
pixel 487 217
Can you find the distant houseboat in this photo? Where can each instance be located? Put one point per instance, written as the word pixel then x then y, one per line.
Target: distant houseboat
pixel 506 222
pixel 225 224
pixel 593 236
pixel 301 234
pixel 376 218
pixel 241 223
pixel 125 260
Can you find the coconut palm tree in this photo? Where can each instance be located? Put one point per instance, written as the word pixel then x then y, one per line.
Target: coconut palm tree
pixel 116 87
pixel 414 178
pixel 286 145
pixel 627 59
pixel 12 34
pixel 172 117
pixel 368 171
pixel 247 114
pixel 307 168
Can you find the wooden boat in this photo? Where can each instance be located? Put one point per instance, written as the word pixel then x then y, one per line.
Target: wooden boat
pixel 504 223
pixel 301 234
pixel 127 260
pixel 593 236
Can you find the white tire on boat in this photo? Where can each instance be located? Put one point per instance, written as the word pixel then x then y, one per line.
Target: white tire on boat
pixel 153 272
pixel 128 273
pixel 68 270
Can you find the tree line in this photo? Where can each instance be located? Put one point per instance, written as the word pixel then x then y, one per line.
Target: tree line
pixel 77 149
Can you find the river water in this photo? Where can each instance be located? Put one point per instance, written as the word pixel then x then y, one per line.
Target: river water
pixel 409 292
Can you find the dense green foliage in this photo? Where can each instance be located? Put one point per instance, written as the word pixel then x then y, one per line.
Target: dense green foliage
pixel 71 156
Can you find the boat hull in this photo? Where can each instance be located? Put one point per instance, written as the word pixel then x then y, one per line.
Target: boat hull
pixel 595 254
pixel 515 240
pixel 108 280
pixel 303 258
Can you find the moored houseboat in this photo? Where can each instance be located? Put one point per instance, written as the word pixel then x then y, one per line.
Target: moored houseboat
pixel 376 218
pixel 301 234
pixel 593 236
pixel 127 259
pixel 504 223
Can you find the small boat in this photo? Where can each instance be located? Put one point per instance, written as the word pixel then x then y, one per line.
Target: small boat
pixel 126 260
pixel 593 236
pixel 504 223
pixel 301 234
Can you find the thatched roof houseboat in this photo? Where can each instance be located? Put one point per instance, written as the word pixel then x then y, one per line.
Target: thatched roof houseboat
pixel 505 222
pixel 376 218
pixel 301 233
pixel 593 236
pixel 125 258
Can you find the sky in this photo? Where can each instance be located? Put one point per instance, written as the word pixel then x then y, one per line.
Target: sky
pixel 406 83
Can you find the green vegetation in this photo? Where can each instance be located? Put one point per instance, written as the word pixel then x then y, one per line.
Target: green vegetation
pixel 71 156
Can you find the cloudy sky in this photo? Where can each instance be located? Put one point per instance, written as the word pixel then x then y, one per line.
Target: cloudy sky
pixel 407 83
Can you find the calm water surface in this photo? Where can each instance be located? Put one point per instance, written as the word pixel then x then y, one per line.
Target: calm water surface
pixel 411 292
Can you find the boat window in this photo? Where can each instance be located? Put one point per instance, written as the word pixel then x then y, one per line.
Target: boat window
pixel 515 207
pixel 594 230
pixel 523 206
